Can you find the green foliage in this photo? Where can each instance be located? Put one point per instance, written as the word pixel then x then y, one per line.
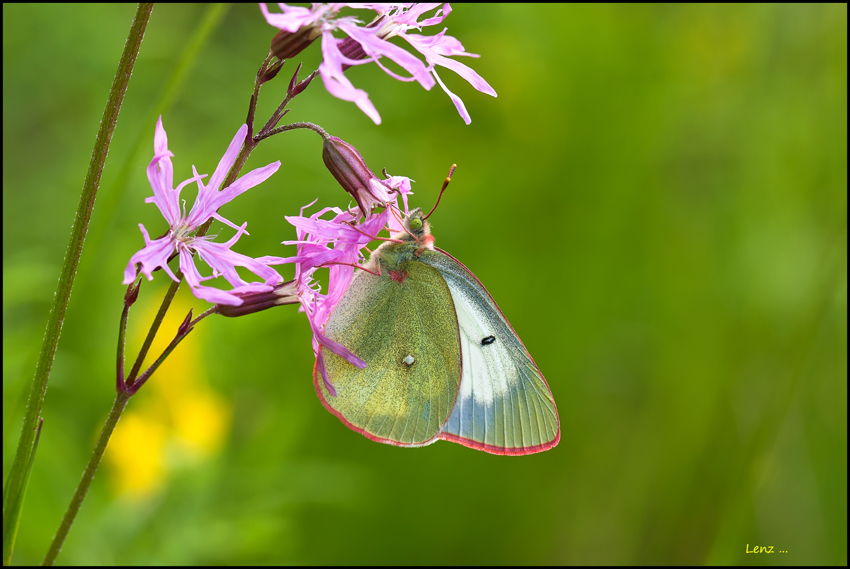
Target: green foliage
pixel 657 199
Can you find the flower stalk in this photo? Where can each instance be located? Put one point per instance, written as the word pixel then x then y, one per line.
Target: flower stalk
pixel 88 475
pixel 335 244
pixel 128 387
pixel 13 499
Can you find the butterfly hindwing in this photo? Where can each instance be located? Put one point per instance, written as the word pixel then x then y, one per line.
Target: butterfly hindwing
pixel 504 405
pixel 407 331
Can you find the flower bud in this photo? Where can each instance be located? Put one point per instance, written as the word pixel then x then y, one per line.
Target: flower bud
pixel 352 173
pixel 132 293
pixel 268 73
pixel 184 327
pixel 295 86
pixel 289 44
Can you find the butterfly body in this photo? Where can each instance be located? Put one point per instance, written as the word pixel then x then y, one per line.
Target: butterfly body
pixel 443 362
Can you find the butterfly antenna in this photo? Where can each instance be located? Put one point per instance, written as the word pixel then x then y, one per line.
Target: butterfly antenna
pixel 401 222
pixel 445 185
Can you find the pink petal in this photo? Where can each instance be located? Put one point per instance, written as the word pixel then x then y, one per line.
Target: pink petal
pixel 160 177
pixel 194 279
pixel 338 84
pixel 409 18
pixel 340 350
pixel 215 296
pixel 253 178
pixel 320 363
pixel 226 162
pixel 461 108
pixel 464 71
pixel 293 17
pixel 378 47
pixel 224 262
pixel 160 150
pixel 153 255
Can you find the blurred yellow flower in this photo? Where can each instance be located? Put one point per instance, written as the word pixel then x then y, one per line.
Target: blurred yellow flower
pixel 135 453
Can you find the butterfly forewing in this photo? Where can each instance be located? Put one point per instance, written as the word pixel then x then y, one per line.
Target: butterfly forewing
pixel 407 331
pixel 504 405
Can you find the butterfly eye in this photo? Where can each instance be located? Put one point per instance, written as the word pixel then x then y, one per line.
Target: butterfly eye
pixel 415 224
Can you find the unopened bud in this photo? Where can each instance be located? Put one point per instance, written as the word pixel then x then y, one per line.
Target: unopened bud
pixel 184 326
pixel 352 173
pixel 269 73
pixel 295 86
pixel 132 293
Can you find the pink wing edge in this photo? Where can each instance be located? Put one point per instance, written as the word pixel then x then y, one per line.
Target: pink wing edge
pixel 491 449
pixel 369 435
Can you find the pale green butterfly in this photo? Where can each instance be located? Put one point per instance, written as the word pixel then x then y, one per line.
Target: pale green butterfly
pixel 443 361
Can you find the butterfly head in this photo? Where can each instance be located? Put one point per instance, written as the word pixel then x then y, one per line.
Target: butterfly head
pixel 418 231
pixel 417 228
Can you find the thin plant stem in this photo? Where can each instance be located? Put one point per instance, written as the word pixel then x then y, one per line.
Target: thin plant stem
pixel 134 381
pixel 294 90
pixel 258 83
pixel 127 388
pixel 184 330
pixel 157 321
pixel 108 202
pixel 308 125
pixel 32 414
pixel 124 393
pixel 118 406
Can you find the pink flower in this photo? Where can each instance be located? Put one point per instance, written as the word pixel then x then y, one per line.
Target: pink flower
pixel 296 17
pixel 369 43
pixel 336 244
pixel 180 239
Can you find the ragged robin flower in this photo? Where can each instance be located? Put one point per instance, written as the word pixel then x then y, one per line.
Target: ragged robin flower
pixel 180 239
pixel 338 245
pixel 365 44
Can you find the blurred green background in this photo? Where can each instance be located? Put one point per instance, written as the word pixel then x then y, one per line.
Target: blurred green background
pixel 657 199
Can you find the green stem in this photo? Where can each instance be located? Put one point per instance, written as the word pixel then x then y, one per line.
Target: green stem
pixel 121 400
pixel 157 321
pixel 11 531
pixel 184 330
pixel 88 475
pixel 134 381
pixel 308 125
pixel 69 268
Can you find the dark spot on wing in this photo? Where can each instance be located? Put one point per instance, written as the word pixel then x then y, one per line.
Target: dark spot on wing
pixel 488 340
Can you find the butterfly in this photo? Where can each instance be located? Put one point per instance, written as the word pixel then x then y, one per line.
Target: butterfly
pixel 443 362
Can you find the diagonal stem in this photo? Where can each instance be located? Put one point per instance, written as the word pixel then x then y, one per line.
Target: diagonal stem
pixel 69 270
pixel 88 475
